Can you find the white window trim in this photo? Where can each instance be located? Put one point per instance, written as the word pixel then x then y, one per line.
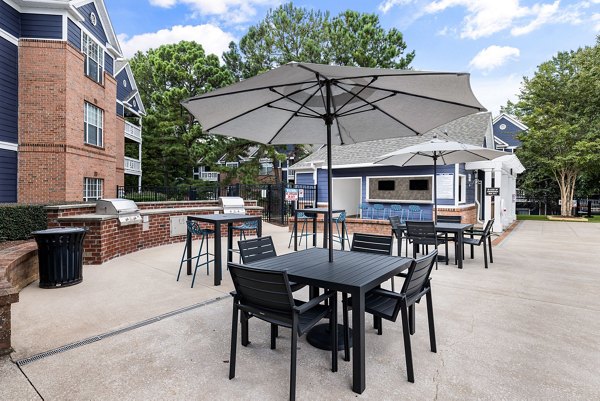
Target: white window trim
pixel 100 55
pixel 92 188
pixel 423 202
pixel 462 188
pixel 100 127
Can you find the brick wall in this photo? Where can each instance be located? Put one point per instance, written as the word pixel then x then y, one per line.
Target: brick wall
pixel 53 158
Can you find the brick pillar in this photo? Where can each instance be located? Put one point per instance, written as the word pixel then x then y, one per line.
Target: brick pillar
pixel 6 299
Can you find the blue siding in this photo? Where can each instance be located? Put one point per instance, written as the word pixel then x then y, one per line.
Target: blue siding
pixel 10 20
pixel 304 179
pixel 123 91
pixel 8 176
pixel 98 30
pixel 322 185
pixel 510 127
pixel 510 138
pixel 41 26
pixel 120 110
pixel 73 34
pixel 108 63
pixel 134 104
pixel 9 91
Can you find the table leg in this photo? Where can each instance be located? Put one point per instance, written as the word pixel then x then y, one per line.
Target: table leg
pixel 315 229
pixel 358 342
pixel 325 231
pixel 259 227
pixel 217 256
pixel 188 243
pixel 460 249
pixel 296 233
pixel 343 234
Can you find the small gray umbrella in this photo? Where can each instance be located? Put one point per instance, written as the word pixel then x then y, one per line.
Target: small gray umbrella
pixel 291 104
pixel 438 151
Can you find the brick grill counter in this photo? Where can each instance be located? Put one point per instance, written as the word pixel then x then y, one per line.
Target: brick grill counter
pixel 106 239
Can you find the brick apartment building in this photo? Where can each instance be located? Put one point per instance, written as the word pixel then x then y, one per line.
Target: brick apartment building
pixel 68 103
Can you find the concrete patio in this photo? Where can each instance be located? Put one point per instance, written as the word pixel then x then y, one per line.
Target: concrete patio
pixel 524 329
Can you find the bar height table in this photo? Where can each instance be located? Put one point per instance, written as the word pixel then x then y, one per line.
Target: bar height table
pixel 217 220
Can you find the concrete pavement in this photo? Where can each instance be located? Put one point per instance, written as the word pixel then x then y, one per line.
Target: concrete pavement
pixel 524 329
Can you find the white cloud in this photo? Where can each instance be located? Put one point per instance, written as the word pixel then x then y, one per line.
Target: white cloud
pixel 232 11
pixel 493 57
pixel 596 21
pixel 212 38
pixel 545 13
pixel 387 5
pixel 494 92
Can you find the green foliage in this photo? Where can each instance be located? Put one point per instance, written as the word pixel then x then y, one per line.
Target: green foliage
pixel 165 76
pixel 561 107
pixel 17 222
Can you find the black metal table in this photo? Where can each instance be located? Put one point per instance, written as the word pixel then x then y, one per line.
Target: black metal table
pixel 314 211
pixel 458 229
pixel 217 220
pixel 350 272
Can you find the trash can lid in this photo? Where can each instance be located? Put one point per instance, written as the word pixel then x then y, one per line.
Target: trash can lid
pixel 60 230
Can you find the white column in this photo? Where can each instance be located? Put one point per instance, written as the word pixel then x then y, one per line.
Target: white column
pixel 487 201
pixel 498 224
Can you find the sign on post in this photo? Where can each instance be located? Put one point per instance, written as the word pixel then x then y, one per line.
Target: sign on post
pixel 492 191
pixel 291 194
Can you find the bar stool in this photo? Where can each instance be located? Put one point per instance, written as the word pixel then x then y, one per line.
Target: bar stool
pixel 242 228
pixel 378 211
pixel 300 216
pixel 341 220
pixel 365 209
pixel 194 228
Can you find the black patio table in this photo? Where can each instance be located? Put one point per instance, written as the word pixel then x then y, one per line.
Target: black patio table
pixel 350 272
pixel 314 211
pixel 217 220
pixel 457 229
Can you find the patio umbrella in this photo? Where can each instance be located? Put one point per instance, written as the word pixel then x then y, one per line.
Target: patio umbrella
pixel 438 151
pixel 292 104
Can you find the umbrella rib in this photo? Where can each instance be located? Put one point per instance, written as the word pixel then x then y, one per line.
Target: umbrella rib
pixel 354 95
pixel 300 113
pixel 403 74
pixel 252 110
pixel 384 112
pixel 292 116
pixel 209 96
pixel 297 102
pixel 349 112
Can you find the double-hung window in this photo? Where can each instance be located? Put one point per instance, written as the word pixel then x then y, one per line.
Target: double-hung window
pixel 92 188
pixel 92 125
pixel 94 58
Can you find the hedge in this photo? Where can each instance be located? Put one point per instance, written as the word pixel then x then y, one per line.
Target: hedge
pixel 18 221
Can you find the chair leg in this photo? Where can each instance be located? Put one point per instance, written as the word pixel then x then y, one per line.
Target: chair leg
pixel 273 336
pixel 490 248
pixel 197 260
pixel 346 329
pixel 378 325
pixel 334 334
pixel 446 249
pixel 294 353
pixel 432 342
pixel 411 319
pixel 407 348
pixel 485 258
pixel 244 320
pixel 232 355
pixel 182 259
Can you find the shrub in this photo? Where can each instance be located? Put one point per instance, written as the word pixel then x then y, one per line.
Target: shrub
pixel 18 221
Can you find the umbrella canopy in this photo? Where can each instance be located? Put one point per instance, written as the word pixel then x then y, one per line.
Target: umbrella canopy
pixel 438 151
pixel 291 104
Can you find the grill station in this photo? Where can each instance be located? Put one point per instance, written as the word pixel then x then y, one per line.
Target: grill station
pixel 125 210
pixel 232 204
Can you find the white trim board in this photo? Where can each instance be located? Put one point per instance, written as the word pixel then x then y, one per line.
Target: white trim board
pixel 9 146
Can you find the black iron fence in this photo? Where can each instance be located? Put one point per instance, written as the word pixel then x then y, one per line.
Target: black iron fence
pixel 277 200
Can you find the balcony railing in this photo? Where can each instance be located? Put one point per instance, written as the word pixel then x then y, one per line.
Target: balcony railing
pixel 133 132
pixel 132 166
pixel 209 176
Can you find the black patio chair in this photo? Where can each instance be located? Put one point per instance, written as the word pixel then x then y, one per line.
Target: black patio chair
pixel 423 233
pixel 453 238
pixel 255 249
pixel 267 295
pixel 384 304
pixel 484 237
pixel 396 223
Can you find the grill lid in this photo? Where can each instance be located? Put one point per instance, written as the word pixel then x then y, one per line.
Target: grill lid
pixel 116 207
pixel 232 204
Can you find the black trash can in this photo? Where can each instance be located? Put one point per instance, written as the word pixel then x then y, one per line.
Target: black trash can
pixel 60 254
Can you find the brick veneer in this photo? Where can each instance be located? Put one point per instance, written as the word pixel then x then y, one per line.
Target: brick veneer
pixel 106 239
pixel 53 158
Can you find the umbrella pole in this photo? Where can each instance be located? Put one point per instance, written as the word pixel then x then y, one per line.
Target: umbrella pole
pixel 435 187
pixel 328 123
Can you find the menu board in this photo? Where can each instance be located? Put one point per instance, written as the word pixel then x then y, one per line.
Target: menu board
pixel 445 186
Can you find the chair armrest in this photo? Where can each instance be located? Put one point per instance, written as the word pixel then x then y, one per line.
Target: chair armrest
pixel 313 302
pixel 386 293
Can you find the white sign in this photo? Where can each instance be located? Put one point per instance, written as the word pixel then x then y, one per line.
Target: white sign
pixel 445 186
pixel 301 193
pixel 291 194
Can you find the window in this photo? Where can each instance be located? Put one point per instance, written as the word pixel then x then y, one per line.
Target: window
pixel 92 188
pixel 94 58
pixel 92 125
pixel 232 164
pixel 266 169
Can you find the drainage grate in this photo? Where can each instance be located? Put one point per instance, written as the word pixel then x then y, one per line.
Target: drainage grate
pixel 112 333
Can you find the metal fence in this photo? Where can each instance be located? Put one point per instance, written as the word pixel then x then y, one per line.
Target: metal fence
pixel 277 200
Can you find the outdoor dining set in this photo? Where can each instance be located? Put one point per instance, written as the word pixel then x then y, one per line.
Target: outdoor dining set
pixel 266 283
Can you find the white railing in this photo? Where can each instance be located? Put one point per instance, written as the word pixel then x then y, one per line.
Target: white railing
pixel 133 132
pixel 209 176
pixel 132 166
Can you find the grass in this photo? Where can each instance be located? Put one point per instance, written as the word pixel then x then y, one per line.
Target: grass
pixel 593 219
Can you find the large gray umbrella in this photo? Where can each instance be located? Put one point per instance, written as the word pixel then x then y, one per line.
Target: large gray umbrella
pixel 438 151
pixel 290 104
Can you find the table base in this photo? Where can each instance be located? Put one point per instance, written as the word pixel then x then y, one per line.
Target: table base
pixel 319 337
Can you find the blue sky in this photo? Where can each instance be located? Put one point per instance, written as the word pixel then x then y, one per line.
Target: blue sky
pixel 497 41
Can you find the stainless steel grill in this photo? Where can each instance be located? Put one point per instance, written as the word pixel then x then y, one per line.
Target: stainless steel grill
pixel 124 209
pixel 232 204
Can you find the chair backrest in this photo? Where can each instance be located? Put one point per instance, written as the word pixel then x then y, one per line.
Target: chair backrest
pixel 418 276
pixel 449 219
pixel 372 243
pixel 378 206
pixel 414 208
pixel 262 289
pixel 194 227
pixel 488 227
pixel 340 217
pixel 416 230
pixel 396 208
pixel 364 206
pixel 255 249
pixel 395 222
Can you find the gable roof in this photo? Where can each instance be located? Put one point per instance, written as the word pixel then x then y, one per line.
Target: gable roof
pixel 113 42
pixel 471 130
pixel 510 119
pixel 509 138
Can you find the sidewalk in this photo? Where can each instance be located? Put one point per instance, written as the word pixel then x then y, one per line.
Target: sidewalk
pixel 526 328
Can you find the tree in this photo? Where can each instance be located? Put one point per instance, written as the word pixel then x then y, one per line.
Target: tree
pixel 561 107
pixel 165 76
